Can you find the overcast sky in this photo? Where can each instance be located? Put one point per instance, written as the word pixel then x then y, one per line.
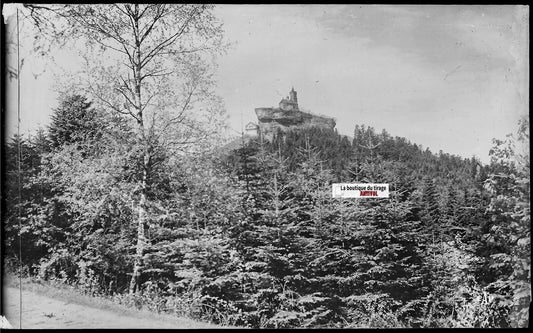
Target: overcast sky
pixel 446 77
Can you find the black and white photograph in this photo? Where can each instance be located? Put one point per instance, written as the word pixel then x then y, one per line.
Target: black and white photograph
pixel 265 166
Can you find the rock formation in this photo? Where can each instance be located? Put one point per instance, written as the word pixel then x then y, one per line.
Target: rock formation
pixel 287 117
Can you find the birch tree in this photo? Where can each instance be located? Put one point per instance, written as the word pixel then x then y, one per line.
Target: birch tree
pixel 151 64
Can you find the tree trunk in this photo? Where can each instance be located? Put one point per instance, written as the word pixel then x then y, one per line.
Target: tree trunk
pixel 141 239
pixel 141 221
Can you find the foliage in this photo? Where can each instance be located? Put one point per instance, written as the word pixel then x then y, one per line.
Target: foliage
pixel 509 231
pixel 74 121
pixel 252 237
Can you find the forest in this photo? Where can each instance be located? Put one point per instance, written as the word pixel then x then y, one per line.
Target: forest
pixel 250 236
pixel 133 194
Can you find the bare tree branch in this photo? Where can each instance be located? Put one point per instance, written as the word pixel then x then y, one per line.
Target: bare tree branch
pixel 168 41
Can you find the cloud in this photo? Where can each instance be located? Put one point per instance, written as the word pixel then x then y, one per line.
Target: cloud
pixel 443 36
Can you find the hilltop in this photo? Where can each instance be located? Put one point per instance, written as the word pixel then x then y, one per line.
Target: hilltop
pixel 285 118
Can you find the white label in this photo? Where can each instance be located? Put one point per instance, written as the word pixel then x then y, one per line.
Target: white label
pixel 345 190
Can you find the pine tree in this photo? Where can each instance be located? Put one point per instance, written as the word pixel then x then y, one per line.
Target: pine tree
pixel 74 122
pixel 430 202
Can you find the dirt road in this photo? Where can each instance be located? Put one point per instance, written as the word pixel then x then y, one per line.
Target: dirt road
pixel 40 311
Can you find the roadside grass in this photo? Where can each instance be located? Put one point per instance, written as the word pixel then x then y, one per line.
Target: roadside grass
pixel 70 294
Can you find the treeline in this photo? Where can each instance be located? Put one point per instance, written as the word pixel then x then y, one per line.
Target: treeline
pixel 252 237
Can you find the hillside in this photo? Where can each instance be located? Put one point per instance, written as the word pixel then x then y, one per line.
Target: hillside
pixel 121 191
pixel 251 236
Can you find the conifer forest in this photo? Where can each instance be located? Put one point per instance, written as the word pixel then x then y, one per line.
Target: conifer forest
pixel 133 193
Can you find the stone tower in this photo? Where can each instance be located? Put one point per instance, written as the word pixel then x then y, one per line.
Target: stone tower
pixel 292 97
pixel 290 103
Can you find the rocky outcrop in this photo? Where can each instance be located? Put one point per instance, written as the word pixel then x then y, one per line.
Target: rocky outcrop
pixel 272 119
pixel 287 117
